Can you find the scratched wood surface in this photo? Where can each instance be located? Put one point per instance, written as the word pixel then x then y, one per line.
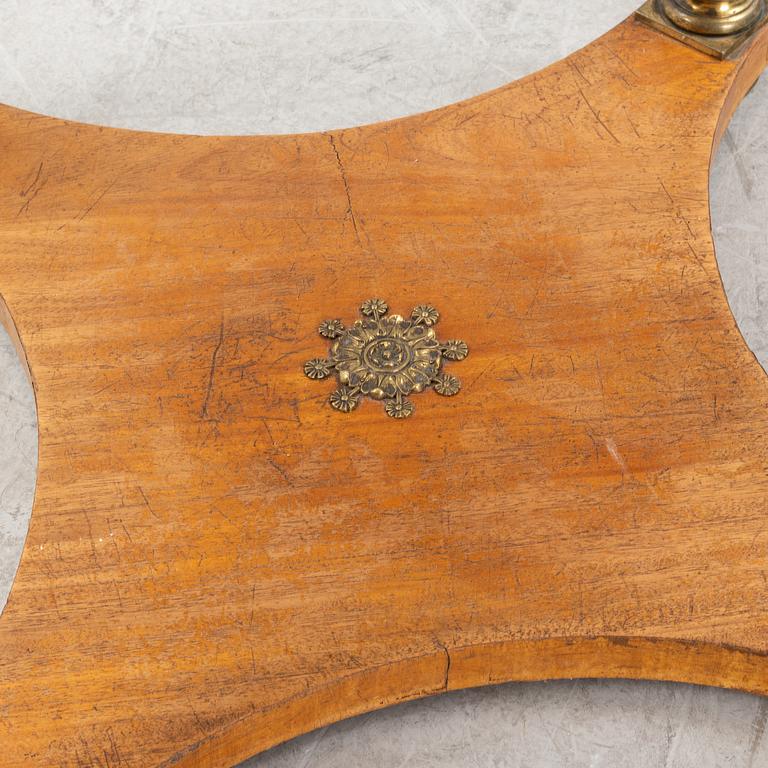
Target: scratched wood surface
pixel 218 561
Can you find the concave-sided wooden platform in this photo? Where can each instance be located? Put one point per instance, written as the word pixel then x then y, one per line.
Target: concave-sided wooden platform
pixel 218 561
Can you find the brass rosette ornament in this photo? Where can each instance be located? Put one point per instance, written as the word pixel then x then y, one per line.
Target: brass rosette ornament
pixel 387 357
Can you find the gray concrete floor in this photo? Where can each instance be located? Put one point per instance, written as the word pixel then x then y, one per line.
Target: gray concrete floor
pixel 278 66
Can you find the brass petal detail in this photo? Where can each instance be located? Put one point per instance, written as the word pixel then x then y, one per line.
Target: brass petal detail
pixel 318 368
pixel 426 314
pixel 455 349
pixel 344 399
pixel 447 385
pixel 331 329
pixel 399 409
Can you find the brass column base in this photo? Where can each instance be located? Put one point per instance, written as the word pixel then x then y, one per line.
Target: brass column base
pixel 713 17
pixel 716 28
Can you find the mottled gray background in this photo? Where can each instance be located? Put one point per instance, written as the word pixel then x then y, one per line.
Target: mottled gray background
pixel 276 66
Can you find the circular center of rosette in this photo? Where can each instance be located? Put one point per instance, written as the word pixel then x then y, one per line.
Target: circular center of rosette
pixel 387 355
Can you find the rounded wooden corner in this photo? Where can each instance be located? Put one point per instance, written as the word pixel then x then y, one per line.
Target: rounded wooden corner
pixel 751 64
pixel 452 669
pixel 7 321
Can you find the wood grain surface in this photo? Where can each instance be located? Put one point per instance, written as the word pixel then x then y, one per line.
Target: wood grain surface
pixel 218 561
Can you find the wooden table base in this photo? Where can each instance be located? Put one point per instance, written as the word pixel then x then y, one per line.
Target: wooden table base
pixel 219 560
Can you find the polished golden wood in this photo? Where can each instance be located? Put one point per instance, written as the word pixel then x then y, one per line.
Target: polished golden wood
pixel 217 560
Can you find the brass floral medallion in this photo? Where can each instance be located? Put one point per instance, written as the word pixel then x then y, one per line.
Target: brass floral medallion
pixel 387 357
